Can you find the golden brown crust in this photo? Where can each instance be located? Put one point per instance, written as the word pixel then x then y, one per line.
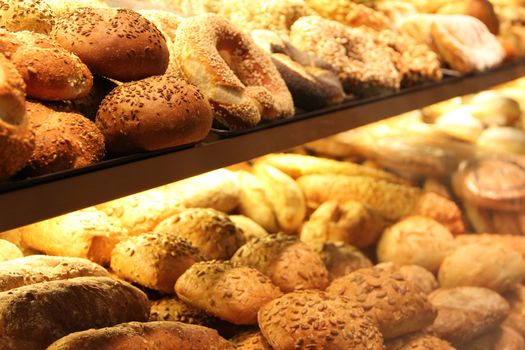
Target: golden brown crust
pixel 251 340
pixel 419 276
pixel 154 113
pixel 341 259
pixel 116 43
pixel 481 9
pixel 396 304
pixel 34 316
pixel 315 320
pixel 231 292
pixel 502 338
pixel 250 229
pixel 466 312
pixel 63 7
pixel 9 251
pixel 34 15
pixel 290 263
pixel 418 341
pixel 516 243
pixel 209 230
pixel 174 309
pixel 145 336
pixel 154 260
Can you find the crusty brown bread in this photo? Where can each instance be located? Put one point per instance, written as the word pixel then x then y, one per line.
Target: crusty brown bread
pixel 173 309
pixel 63 7
pixel 145 336
pixel 290 263
pixel 341 259
pixel 396 304
pixel 154 260
pixel 34 316
pixel 465 313
pixel 9 251
pixel 33 15
pixel 316 320
pixel 250 340
pixel 42 268
pixel 228 291
pixel 502 338
pixel 153 113
pixel 250 229
pixel 423 279
pixel 116 43
pixel 418 341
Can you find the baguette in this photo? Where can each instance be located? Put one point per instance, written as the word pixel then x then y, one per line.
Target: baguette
pixel 42 268
pixel 145 336
pixel 33 317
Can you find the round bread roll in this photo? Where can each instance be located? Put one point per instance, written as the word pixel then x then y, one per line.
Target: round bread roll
pixel 16 138
pixel 502 338
pixel 394 303
pixel 50 72
pixel 9 251
pixel 62 141
pixel 494 108
pixel 316 320
pixel 228 291
pixel 116 43
pixel 419 276
pixel 513 242
pixel 154 260
pixel 418 341
pixel 465 313
pixel 34 15
pixel 174 309
pixel 63 7
pixel 350 222
pixel 341 259
pixel 154 113
pixel 290 263
pixel 460 124
pixel 496 267
pixel 209 230
pixel 251 340
pixel 416 240
pixel 503 140
pixel 250 229
pixel 441 209
pixel 481 9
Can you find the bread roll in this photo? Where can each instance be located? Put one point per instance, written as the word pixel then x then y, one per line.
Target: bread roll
pixel 516 243
pixel 416 240
pixel 481 9
pixel 394 303
pixel 434 185
pixel 496 267
pixel 495 108
pixel 503 139
pixel 64 7
pixel 116 43
pixel 42 268
pixel 515 296
pixel 146 336
pixel 423 279
pixel 154 260
pixel 210 231
pixel 315 320
pixel 231 292
pixel 250 229
pixel 34 15
pixel 290 263
pixel 174 309
pixel 16 138
pixel 9 251
pixel 35 316
pixel 502 338
pixel 350 222
pixel 251 340
pixel 460 124
pixel 418 341
pixel 62 141
pixel 88 233
pixel 465 313
pixel 341 259
pixel 15 236
pixel 284 195
pixel 154 113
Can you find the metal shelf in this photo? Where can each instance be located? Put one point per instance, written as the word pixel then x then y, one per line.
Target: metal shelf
pixel 26 201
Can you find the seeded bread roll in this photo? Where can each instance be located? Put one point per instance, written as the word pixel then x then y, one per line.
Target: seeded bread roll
pixel 341 259
pixel 34 15
pixel 250 229
pixel 16 139
pixel 9 251
pixel 154 113
pixel 63 7
pixel 418 341
pixel 62 141
pixel 144 336
pixel 174 309
pixel 416 240
pixel 502 338
pixel 209 230
pixel 42 268
pixel 423 279
pixel 116 43
pixel 315 320
pixel 231 292
pixel 396 304
pixel 496 267
pixel 465 313
pixel 350 222
pixel 154 260
pixel 251 340
pixel 87 233
pixel 290 263
pixel 35 316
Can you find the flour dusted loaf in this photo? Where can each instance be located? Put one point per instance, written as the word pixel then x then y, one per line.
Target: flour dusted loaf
pixel 34 316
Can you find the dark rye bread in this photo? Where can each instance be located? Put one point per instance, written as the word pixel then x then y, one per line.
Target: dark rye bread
pixel 154 113
pixel 116 43
pixel 32 317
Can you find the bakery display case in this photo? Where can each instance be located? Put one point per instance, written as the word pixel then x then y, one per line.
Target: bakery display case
pixel 252 174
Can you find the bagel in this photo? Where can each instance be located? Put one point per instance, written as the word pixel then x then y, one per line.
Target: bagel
pixel 16 138
pixel 364 68
pixel 50 72
pixel 34 15
pixel 236 76
pixel 117 43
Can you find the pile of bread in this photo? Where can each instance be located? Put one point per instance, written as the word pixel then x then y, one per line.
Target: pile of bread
pixel 105 82
pixel 286 252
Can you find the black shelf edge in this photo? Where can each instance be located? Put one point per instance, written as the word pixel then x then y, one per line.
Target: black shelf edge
pixel 28 201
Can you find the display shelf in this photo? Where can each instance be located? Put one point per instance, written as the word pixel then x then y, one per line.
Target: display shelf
pixel 26 201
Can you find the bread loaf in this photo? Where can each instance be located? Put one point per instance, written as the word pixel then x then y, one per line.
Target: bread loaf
pixel 423 279
pixel 250 229
pixel 144 336
pixel 34 15
pixel 502 338
pixel 516 299
pixel 341 259
pixel 174 309
pixel 154 260
pixel 516 243
pixel 251 340
pixel 231 292
pixel 418 341
pixel 9 251
pixel 63 7
pixel 32 317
